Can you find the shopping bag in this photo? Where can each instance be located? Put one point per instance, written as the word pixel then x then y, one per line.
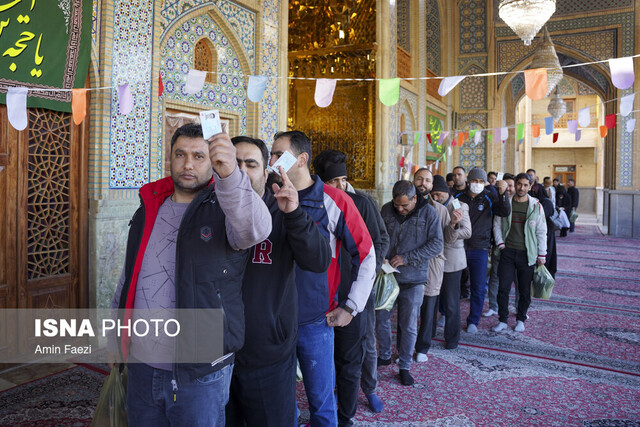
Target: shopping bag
pixel 573 217
pixel 387 290
pixel 542 283
pixel 560 219
pixel 111 410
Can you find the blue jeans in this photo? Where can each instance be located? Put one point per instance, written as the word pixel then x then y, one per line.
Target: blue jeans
pixel 200 402
pixel 315 354
pixel 408 302
pixel 477 260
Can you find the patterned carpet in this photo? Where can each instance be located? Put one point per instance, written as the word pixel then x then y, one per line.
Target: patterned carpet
pixel 577 363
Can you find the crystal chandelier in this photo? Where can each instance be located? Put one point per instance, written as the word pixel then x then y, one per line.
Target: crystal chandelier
pixel 526 17
pixel 557 107
pixel 545 57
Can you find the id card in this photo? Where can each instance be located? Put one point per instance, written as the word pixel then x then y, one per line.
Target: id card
pixel 455 203
pixel 286 161
pixel 210 122
pixel 500 176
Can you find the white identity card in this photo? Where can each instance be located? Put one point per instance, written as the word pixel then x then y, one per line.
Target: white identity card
pixel 286 161
pixel 500 176
pixel 210 121
pixel 455 203
pixel 386 267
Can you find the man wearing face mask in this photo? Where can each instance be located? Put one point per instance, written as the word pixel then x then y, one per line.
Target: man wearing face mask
pixel 483 205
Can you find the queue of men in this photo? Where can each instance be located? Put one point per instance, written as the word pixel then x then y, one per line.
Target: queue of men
pixel 292 265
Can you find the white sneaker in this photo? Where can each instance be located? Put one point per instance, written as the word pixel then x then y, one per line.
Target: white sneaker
pixel 472 329
pixel 519 326
pixel 499 327
pixel 441 322
pixel 489 313
pixel 421 357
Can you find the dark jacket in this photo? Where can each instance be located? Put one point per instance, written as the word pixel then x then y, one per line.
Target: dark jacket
pixel 269 288
pixel 575 196
pixel 416 237
pixel 482 208
pixel 563 199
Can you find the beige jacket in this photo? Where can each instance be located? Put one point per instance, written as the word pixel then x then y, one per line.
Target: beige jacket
pixel 456 257
pixel 436 264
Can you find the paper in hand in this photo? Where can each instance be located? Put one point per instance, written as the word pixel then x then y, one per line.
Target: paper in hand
pixel 500 176
pixel 286 161
pixel 386 267
pixel 210 121
pixel 455 203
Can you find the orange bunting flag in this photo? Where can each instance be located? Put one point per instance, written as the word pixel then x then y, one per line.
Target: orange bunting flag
pixel 535 130
pixel 460 139
pixel 536 84
pixel 603 131
pixel 78 105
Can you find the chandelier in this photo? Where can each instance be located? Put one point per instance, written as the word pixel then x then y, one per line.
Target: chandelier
pixel 526 17
pixel 557 107
pixel 545 57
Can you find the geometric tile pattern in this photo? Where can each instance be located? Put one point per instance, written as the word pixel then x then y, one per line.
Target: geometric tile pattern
pixel 583 89
pixel 473 28
pixel 572 7
pixel 470 154
pixel 268 107
pixel 517 85
pixel 132 62
pixel 404 25
pixel 394 111
pixel 473 90
pixel 178 58
pixel 433 37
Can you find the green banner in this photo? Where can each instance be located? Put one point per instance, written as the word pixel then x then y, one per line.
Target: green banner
pixel 45 44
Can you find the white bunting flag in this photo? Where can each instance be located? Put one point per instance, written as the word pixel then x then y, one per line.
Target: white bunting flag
pixel 448 83
pixel 256 88
pixel 631 124
pixel 195 81
pixel 17 107
pixel 324 92
pixel 504 133
pixel 584 117
pixel 626 104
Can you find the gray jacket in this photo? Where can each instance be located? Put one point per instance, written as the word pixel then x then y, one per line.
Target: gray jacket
pixel 416 237
pixel 454 251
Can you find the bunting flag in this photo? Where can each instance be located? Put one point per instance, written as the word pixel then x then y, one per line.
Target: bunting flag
pixel 125 99
pixel 448 83
pixel 416 138
pixel 195 81
pixel 402 161
pixel 472 133
pixel 489 137
pixel 535 131
pixel 78 105
pixel 449 151
pixel 504 134
pixel 160 85
pixel 17 107
pixel 536 84
pixel 572 126
pixel 610 121
pixel 477 137
pixel 460 139
pixel 555 137
pixel 621 72
pixel 603 131
pixel 584 117
pixel 429 138
pixel 437 163
pixel 256 87
pixel 520 131
pixel 578 134
pixel 626 104
pixel 443 136
pixel 324 92
pixel 548 125
pixel 537 140
pixel 631 124
pixel 389 91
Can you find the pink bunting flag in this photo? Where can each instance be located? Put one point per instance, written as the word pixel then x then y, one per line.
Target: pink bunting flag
pixel 631 124
pixel 443 136
pixel 610 121
pixel 448 83
pixel 17 107
pixel 578 135
pixel 621 72
pixel 504 134
pixel 324 92
pixel 626 104
pixel 125 99
pixel 195 81
pixel 572 126
pixel 536 84
pixel 584 117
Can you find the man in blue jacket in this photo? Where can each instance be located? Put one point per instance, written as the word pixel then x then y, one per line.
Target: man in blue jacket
pixel 339 221
pixel 264 379
pixel 415 237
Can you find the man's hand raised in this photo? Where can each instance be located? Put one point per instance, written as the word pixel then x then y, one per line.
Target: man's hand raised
pixel 222 154
pixel 286 195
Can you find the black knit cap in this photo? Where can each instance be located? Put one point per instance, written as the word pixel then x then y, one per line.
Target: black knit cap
pixel 439 184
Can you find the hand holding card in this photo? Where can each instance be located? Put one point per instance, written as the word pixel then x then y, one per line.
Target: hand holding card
pixel 210 122
pixel 285 162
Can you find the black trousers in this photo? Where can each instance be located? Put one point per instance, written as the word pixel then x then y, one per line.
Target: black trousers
pixel 348 357
pixel 514 262
pixel 264 396
pixel 450 295
pixel 428 319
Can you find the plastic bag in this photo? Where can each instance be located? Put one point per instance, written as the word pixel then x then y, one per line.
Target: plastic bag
pixel 387 290
pixel 573 217
pixel 560 219
pixel 543 283
pixel 111 410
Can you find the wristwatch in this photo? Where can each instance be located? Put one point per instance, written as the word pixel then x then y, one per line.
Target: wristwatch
pixel 348 309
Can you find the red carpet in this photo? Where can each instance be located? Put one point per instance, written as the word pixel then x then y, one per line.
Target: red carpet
pixel 577 363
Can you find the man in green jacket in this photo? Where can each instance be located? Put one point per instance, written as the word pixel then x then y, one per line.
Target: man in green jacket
pixel 522 240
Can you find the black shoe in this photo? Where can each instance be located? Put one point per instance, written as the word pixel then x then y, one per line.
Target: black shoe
pixel 384 362
pixel 451 346
pixel 405 377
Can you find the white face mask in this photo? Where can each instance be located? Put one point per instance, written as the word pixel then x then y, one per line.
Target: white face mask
pixel 476 188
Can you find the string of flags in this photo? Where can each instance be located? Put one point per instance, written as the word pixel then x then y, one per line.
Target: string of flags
pixel 536 85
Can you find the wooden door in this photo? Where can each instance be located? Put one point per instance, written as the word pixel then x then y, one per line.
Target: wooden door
pixel 564 172
pixel 43 214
